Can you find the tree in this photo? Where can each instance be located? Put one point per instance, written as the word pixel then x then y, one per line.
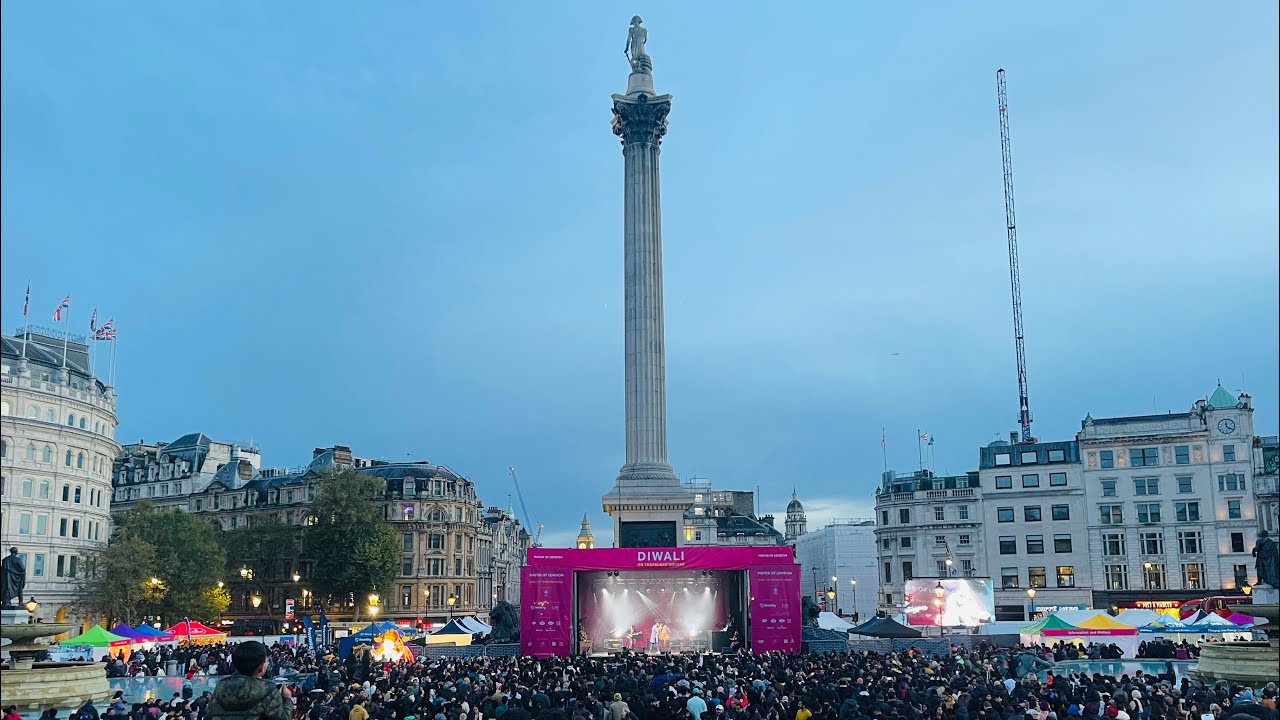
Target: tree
pixel 353 546
pixel 116 582
pixel 188 561
pixel 260 546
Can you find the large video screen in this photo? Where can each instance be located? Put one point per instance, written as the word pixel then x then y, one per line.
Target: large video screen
pixel 963 602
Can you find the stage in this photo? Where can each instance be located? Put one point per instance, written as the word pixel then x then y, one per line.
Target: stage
pixel 696 599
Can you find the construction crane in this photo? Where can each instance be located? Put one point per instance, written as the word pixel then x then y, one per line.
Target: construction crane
pixel 524 509
pixel 1015 282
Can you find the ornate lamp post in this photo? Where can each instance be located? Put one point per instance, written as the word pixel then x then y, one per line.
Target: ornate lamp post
pixel 938 593
pixel 853 592
pixel 450 602
pixel 1031 608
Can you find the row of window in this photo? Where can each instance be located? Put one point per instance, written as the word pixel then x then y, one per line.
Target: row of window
pixel 1151 513
pixel 73 457
pixel 1154 576
pixel 435 514
pixel 436 541
pixel 1227 482
pixel 43 490
pixel 64 565
pixel 435 567
pixel 1031 457
pixel 1150 456
pixel 1031 480
pixel 1037 577
pixel 939 514
pixel 51 415
pixel 1034 544
pixel 1151 542
pixel 1031 513
pixel 38 525
pixel 965 539
pixel 436 596
pixel 943 570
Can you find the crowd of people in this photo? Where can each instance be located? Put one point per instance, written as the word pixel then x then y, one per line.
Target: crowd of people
pixel 984 683
pixel 1164 649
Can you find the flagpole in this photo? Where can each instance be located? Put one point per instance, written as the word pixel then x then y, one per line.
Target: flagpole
pixel 111 369
pixel 26 322
pixel 66 333
pixel 884 452
pixel 919 450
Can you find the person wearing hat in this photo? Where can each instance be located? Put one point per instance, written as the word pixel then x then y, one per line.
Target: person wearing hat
pixel 618 709
pixel 695 704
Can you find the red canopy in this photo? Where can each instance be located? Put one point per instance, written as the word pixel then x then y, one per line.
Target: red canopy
pixel 194 629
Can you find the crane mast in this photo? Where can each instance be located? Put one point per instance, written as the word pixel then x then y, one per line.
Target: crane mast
pixel 1015 282
pixel 524 510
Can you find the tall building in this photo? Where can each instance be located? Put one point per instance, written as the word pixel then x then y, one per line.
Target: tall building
pixel 714 517
pixel 1172 502
pixel 586 541
pixel 57 422
pixel 927 526
pixel 834 559
pixel 168 474
pixel 1266 458
pixel 1033 510
pixel 797 522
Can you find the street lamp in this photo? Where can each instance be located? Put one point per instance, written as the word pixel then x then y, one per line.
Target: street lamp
pixel 246 573
pixel 938 592
pixel 32 606
pixel 296 576
pixel 450 602
pixel 221 584
pixel 1031 608
pixel 835 595
pixel 1247 589
pixel 853 592
pixel 255 600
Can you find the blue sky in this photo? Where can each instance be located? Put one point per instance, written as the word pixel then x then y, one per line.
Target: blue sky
pixel 397 226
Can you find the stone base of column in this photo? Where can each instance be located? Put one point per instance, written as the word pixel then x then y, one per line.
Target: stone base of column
pixel 646 475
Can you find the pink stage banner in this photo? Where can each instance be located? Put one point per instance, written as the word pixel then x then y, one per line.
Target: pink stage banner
pixel 774 607
pixel 546 625
pixel 688 558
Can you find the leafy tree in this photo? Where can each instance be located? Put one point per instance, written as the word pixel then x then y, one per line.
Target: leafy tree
pixel 353 546
pixel 116 582
pixel 260 546
pixel 188 560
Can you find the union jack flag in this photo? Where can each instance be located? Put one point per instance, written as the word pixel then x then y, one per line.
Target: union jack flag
pixel 106 332
pixel 66 304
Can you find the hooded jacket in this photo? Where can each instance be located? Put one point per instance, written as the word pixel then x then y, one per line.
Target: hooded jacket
pixel 246 698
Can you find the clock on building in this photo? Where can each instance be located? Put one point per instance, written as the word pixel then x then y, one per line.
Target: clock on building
pixel 1226 426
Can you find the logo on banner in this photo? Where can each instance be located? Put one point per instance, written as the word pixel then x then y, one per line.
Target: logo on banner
pixel 660 557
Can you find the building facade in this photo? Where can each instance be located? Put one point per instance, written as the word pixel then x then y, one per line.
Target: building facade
pixel 1173 502
pixel 833 560
pixel 167 474
pixel 57 423
pixel 1266 458
pixel 797 522
pixel 1033 511
pixel 715 518
pixel 927 526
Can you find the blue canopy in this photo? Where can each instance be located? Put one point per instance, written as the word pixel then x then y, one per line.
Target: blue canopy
pixel 146 630
pixel 374 629
pixel 125 631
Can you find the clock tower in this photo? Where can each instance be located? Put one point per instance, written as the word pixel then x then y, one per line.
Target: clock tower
pixel 586 541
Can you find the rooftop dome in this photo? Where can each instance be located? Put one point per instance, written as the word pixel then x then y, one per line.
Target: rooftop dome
pixel 794 506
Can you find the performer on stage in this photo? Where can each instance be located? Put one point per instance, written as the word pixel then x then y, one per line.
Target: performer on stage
pixel 664 636
pixel 631 638
pixel 653 636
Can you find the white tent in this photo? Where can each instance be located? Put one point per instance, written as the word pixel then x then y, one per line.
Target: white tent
pixel 474 625
pixel 831 621
pixel 1138 617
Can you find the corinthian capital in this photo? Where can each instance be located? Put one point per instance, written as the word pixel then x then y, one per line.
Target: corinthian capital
pixel 641 119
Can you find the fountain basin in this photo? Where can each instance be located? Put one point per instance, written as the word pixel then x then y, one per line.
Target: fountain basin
pixel 53 684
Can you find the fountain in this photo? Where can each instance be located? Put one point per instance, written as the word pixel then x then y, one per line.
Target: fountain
pixel 1254 661
pixel 31 685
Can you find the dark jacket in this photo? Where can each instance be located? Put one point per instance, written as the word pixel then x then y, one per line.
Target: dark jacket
pixel 245 698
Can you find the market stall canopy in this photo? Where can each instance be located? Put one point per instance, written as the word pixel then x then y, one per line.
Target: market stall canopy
pixel 1048 622
pixel 885 628
pixel 454 627
pixel 475 625
pixel 1097 625
pixel 125 631
pixel 1243 620
pixel 1138 617
pixel 375 628
pixel 831 621
pixel 155 635
pixel 196 631
pixel 96 636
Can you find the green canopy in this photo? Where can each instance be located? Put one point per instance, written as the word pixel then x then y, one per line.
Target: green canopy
pixel 97 637
pixel 1052 622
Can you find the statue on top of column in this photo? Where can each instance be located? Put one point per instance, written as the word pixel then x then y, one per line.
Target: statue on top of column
pixel 636 38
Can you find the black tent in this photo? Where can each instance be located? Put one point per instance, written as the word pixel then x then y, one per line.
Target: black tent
pixel 884 628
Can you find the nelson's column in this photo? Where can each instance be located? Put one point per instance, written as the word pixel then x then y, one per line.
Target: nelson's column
pixel 647 502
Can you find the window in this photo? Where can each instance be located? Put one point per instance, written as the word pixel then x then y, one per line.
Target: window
pixel 66 460
pixel 5 409
pixel 904 516
pixel 884 543
pixel 406 541
pixel 75 528
pixel 62 565
pixel 66 493
pixel 1152 542
pixel 83 424
pixel 435 542
pixel 1228 453
pixel 1108 488
pixel 1230 481
pixel 1031 513
pixel 407 512
pixel 940 540
pixel 1186 511
pixel 42 524
pixel 906 542
pixel 1117 577
pixel 4 448
pixel 965 540
pixel 1036 577
pixel 79 461
pixel 62 527
pixel 1185 485
pixel 938 514
pixel 941 567
pixel 37 567
pixel 1237 542
pixel 1003 458
pixel 1144 457
pixel 1035 544
pixel 1182 455
pixel 457 542
pixel 1146 486
pixel 406 595
pixel 24 523
pixel 1113 544
pixel 1192 576
pixel 1057 479
pixel 1233 509
pixel 1066 576
pixel 1107 458
pixel 77 495
pixel 1190 542
pixel 1004 514
pixel 1148 513
pixel 907 573
pixel 31 452
pixel 884 517
pixel 46 455
pixel 26 487
pixel 1028 457
pixel 1029 481
pixel 1009 578
pixel 1061 512
pixel 1008 545
pixel 1241 574
pixel 1111 514
pixel 1004 482
pixel 1057 456
pixel 1062 543
pixel 888 573
pixel 71 419
pixel 71 565
pixel 966 566
pixel 457 514
pixel 1153 575
pixel 33 412
pixel 406 566
pixel 963 512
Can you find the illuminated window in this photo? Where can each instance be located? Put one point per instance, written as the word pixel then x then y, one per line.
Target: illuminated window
pixel 1066 576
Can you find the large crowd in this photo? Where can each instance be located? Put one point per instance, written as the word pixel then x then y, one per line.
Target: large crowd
pixel 984 683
